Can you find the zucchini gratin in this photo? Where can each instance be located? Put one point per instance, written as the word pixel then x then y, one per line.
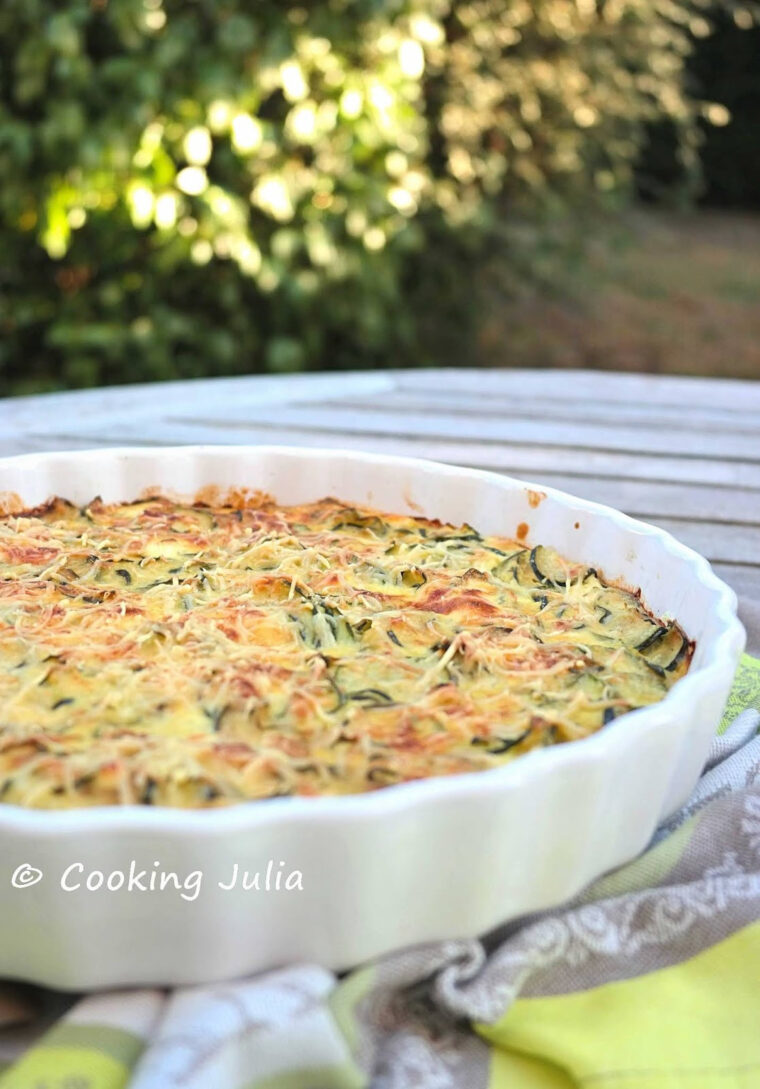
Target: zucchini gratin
pixel 196 655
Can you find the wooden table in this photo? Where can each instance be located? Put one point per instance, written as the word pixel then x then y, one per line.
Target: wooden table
pixel 683 453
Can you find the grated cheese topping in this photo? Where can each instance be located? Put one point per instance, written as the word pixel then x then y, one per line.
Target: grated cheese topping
pixel 192 655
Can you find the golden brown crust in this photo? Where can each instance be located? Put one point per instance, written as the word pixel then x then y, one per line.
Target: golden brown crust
pixel 200 654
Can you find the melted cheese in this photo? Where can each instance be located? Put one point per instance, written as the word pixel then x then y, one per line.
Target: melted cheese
pixel 191 655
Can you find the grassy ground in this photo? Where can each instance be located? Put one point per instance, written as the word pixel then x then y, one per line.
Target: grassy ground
pixel 665 292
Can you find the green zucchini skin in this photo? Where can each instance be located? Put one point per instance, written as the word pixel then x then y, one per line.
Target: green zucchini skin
pixel 668 650
pixel 547 568
pixel 683 650
pixel 650 640
pixel 405 647
pixel 504 744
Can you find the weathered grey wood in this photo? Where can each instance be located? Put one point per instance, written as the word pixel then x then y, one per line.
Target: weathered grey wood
pixel 586 385
pixel 720 543
pixel 744 578
pixel 682 453
pixel 375 419
pixel 531 461
pixel 554 408
pixel 202 391
pixel 650 499
pixel 562 393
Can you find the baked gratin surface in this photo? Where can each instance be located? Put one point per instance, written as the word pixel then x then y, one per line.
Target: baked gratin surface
pixel 191 655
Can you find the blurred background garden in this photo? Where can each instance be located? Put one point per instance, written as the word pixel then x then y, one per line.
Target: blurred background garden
pixel 215 187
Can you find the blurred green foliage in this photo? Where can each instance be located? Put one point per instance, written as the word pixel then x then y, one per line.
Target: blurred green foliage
pixel 724 65
pixel 220 187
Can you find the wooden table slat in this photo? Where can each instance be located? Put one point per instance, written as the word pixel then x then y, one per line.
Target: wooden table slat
pixel 681 453
pixel 555 409
pixel 650 499
pixel 586 385
pixel 214 394
pixel 374 419
pixel 719 543
pixel 526 460
pixel 743 577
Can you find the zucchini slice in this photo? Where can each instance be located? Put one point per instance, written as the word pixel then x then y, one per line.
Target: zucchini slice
pixel 413 577
pixel 512 568
pixel 350 518
pixel 590 684
pixel 498 745
pixel 522 571
pixel 649 642
pixel 623 618
pixel 547 567
pixel 667 650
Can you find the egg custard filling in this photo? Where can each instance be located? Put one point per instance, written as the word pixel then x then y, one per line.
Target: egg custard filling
pixel 198 655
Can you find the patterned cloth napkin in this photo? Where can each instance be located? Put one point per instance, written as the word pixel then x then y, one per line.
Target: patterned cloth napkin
pixel 648 980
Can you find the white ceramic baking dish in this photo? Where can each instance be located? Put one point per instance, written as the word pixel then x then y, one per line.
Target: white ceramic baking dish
pixel 440 858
